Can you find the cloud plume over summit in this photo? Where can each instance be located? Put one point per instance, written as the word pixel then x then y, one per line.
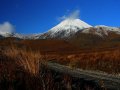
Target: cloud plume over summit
pixel 73 15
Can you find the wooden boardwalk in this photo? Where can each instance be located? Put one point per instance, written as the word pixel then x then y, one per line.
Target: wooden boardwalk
pixel 104 80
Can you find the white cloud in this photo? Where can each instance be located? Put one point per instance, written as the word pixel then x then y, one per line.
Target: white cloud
pixel 73 15
pixel 6 27
pixel 62 18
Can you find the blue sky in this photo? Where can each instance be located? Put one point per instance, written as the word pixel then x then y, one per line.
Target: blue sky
pixel 37 16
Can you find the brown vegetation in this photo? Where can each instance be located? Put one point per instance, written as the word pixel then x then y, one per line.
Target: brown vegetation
pixel 21 61
pixel 100 59
pixel 21 69
pixel 107 61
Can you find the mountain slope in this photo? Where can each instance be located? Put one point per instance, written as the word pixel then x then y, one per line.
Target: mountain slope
pixel 66 28
pixel 20 36
pixel 93 40
pixel 102 30
pixel 70 27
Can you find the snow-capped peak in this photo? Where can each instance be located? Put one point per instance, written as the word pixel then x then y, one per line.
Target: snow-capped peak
pixel 66 28
pixel 72 24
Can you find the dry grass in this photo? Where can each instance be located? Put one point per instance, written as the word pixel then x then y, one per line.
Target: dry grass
pixel 20 69
pixel 106 61
pixel 30 61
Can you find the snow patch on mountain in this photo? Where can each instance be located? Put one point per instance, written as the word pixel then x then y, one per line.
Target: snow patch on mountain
pixel 108 28
pixel 102 30
pixel 29 36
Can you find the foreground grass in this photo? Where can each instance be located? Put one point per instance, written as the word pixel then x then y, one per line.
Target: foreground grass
pixel 22 69
pixel 28 60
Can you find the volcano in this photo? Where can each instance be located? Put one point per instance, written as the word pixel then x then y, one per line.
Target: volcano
pixel 66 28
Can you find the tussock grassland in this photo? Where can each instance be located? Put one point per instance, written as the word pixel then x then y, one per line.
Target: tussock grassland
pixel 106 61
pixel 29 52
pixel 20 69
pixel 28 60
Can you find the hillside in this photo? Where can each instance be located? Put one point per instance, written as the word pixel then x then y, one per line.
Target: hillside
pixel 85 40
